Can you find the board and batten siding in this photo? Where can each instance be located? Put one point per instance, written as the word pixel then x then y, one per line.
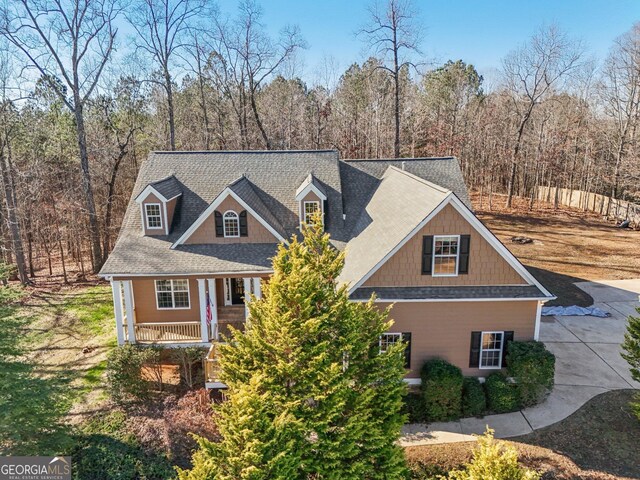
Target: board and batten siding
pixel 443 330
pixel 486 265
pixel 206 233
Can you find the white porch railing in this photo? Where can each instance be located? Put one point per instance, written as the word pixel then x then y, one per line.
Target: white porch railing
pixel 168 332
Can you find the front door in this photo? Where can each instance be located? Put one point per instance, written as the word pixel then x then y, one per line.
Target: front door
pixel 237 291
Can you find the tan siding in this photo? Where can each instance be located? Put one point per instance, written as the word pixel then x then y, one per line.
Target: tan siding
pixel 206 233
pixel 171 208
pixel 444 329
pixel 144 294
pixel 486 265
pixel 151 198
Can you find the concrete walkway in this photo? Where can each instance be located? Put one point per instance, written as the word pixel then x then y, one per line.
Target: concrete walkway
pixel 588 363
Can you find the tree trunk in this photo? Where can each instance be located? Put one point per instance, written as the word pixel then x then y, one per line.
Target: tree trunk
pixel 87 189
pixel 396 80
pixel 172 125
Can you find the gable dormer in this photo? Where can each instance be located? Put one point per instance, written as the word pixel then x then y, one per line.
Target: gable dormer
pixel 236 215
pixel 311 197
pixel 158 203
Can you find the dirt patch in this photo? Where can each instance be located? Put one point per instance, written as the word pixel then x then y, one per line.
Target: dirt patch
pixel 603 435
pixel 568 246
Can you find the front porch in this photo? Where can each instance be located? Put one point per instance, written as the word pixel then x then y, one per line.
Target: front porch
pixel 215 306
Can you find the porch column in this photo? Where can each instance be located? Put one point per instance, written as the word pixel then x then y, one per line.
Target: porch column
pixel 202 295
pixel 536 332
pixel 211 286
pixel 116 289
pixel 128 306
pixel 257 290
pixel 247 295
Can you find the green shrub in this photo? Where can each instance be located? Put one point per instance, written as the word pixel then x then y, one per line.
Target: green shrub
pixel 441 390
pixel 493 460
pixel 190 361
pixel 502 395
pixel 426 471
pixel 124 367
pixel 532 366
pixel 414 408
pixel 107 450
pixel 474 401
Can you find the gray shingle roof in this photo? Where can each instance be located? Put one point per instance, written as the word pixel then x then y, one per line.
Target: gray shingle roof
pixel 398 205
pixel 311 180
pixel 449 292
pixel 244 189
pixel 169 187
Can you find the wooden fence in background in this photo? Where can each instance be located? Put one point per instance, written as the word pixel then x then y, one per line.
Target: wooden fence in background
pixel 605 206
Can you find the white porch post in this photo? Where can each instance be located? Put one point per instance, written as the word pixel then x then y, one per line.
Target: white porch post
pixel 211 286
pixel 536 333
pixel 247 295
pixel 128 306
pixel 257 289
pixel 116 289
pixel 202 295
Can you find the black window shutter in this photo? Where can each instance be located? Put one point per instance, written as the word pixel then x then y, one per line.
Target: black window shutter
pixel 219 228
pixel 243 223
pixel 474 351
pixel 508 337
pixel 406 338
pixel 463 267
pixel 427 254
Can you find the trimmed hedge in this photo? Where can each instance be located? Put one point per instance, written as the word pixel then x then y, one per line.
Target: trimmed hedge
pixel 532 366
pixel 441 390
pixel 414 408
pixel 502 396
pixel 474 401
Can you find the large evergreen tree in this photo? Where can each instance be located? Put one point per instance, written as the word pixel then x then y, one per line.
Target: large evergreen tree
pixel 631 347
pixel 309 396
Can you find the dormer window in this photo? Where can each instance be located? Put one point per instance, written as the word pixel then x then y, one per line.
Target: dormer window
pixel 310 208
pixel 231 224
pixel 153 216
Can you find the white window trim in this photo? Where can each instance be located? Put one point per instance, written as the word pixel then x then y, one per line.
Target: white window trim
pixel 146 216
pixel 224 224
pixel 393 334
pixel 482 334
pixel 304 209
pixel 433 256
pixel 173 300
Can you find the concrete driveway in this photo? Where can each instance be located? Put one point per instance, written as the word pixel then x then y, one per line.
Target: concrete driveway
pixel 588 363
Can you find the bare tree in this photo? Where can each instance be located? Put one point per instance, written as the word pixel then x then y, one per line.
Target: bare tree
pixel 69 43
pixel 620 92
pixel 530 73
pixel 246 57
pixel 392 34
pixel 163 28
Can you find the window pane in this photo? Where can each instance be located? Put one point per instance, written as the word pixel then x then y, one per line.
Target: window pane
pixel 389 339
pixel 490 358
pixel 444 265
pixel 180 285
pixel 181 299
pixel 309 209
pixel 153 216
pixel 164 300
pixel 163 285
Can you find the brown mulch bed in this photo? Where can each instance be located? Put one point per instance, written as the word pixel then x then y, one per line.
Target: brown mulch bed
pixel 569 245
pixel 598 442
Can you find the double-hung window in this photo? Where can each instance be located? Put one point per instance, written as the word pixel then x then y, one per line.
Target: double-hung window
pixel 491 346
pixel 445 255
pixel 172 294
pixel 310 208
pixel 387 340
pixel 153 214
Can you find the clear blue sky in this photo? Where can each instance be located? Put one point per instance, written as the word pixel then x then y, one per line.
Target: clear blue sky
pixel 477 31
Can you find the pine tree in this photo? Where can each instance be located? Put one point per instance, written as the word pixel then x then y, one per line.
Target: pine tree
pixel 631 347
pixel 309 394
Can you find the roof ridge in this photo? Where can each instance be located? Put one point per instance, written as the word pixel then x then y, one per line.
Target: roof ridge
pixel 448 157
pixel 163 179
pixel 435 186
pixel 222 152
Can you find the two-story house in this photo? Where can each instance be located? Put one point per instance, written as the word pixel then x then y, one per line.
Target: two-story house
pixel 201 228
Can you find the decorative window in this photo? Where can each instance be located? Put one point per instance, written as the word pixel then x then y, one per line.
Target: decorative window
pixel 310 208
pixel 172 294
pixel 153 215
pixel 491 349
pixel 231 223
pixel 445 255
pixel 389 339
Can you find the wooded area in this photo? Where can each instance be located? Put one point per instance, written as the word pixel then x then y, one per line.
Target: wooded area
pixel 83 103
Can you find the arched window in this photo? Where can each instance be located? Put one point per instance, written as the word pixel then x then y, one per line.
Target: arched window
pixel 231 224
